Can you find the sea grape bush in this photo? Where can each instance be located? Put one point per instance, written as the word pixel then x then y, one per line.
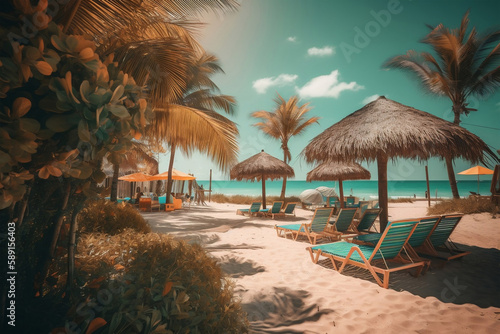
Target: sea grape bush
pixel 62 109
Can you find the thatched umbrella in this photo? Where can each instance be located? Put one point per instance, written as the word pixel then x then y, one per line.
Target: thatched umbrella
pixel 339 171
pixel 385 129
pixel 259 167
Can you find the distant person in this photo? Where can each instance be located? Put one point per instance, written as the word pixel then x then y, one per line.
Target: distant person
pixel 138 194
pixel 426 194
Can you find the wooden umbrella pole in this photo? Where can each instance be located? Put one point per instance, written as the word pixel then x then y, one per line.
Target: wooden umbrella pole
pixel 428 188
pixel 382 189
pixel 341 191
pixel 263 192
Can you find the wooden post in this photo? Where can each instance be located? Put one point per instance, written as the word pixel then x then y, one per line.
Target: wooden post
pixel 341 191
pixel 210 187
pixel 382 190
pixel 263 192
pixel 428 188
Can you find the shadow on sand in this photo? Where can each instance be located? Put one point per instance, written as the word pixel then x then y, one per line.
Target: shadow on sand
pixel 277 310
pixel 472 279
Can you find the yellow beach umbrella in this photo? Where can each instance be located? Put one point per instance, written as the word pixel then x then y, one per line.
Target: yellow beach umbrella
pixel 477 170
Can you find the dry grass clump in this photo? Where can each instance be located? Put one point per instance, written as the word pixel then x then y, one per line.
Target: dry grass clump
pixel 401 200
pixel 463 205
pixel 242 199
pixel 107 217
pixel 151 283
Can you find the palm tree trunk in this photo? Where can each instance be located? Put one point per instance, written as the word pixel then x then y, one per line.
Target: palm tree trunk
pixel 170 166
pixel 114 183
pixel 283 187
pixel 451 177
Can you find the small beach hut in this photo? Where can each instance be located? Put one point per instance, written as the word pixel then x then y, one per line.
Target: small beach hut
pixel 385 129
pixel 261 167
pixel 338 171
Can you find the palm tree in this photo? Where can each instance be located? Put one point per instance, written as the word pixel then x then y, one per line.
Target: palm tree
pixel 287 120
pixel 466 65
pixel 192 123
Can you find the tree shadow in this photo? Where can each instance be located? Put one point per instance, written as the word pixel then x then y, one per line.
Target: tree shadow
pixel 472 279
pixel 275 311
pixel 236 267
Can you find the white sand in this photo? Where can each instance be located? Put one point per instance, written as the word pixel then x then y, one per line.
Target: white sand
pixel 283 291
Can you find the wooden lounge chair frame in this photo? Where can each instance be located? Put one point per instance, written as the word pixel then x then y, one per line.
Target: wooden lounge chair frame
pixel 312 230
pixel 252 211
pixel 289 210
pixel 275 209
pixel 438 244
pixel 387 251
pixel 343 226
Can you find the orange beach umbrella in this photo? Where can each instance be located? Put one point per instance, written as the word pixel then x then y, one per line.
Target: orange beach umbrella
pixel 136 177
pixel 477 170
pixel 176 175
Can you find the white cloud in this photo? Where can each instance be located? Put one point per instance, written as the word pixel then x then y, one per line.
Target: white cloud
pixel 261 85
pixel 369 99
pixel 292 39
pixel 326 86
pixel 321 52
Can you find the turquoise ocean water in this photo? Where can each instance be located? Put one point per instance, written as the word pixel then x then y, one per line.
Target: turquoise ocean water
pixel 363 189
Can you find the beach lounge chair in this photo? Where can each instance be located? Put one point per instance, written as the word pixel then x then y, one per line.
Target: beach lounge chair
pixel 438 243
pixel 145 204
pixel 342 227
pixel 288 211
pixel 252 211
pixel 383 258
pixel 332 201
pixel 366 222
pixel 275 209
pixel 312 230
pixel 424 228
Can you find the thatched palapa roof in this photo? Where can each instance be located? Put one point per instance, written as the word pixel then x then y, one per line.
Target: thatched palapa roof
pixel 259 165
pixel 334 170
pixel 395 130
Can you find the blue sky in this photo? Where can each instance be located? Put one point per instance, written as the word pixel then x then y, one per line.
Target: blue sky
pixel 330 52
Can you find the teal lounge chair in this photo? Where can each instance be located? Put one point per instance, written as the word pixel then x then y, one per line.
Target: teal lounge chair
pixel 343 225
pixel 424 228
pixel 252 211
pixel 288 211
pixel 275 208
pixel 438 243
pixel 383 258
pixel 367 220
pixel 312 230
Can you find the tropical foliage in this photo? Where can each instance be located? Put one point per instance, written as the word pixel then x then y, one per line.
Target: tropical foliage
pixel 287 120
pixel 466 64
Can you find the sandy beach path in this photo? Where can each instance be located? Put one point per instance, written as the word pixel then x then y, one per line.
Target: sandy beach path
pixel 283 291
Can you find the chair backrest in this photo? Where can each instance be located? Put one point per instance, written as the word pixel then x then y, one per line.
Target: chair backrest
pixel 393 239
pixel 344 219
pixel 376 206
pixel 423 230
pixel 363 205
pixel 290 207
pixel 444 229
pixel 320 219
pixel 255 207
pixel 332 200
pixel 276 208
pixel 350 200
pixel 368 219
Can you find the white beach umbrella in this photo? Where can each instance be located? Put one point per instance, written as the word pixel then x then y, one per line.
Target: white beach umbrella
pixel 326 191
pixel 311 196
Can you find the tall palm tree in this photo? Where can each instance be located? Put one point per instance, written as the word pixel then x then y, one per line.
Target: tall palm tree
pixel 192 122
pixel 287 120
pixel 467 64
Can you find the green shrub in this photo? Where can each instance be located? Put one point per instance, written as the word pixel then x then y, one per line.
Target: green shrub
pixel 400 200
pixel 150 283
pixel 110 218
pixel 463 205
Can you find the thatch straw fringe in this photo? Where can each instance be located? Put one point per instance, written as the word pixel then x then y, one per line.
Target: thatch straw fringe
pixel 395 130
pixel 261 164
pixel 332 170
